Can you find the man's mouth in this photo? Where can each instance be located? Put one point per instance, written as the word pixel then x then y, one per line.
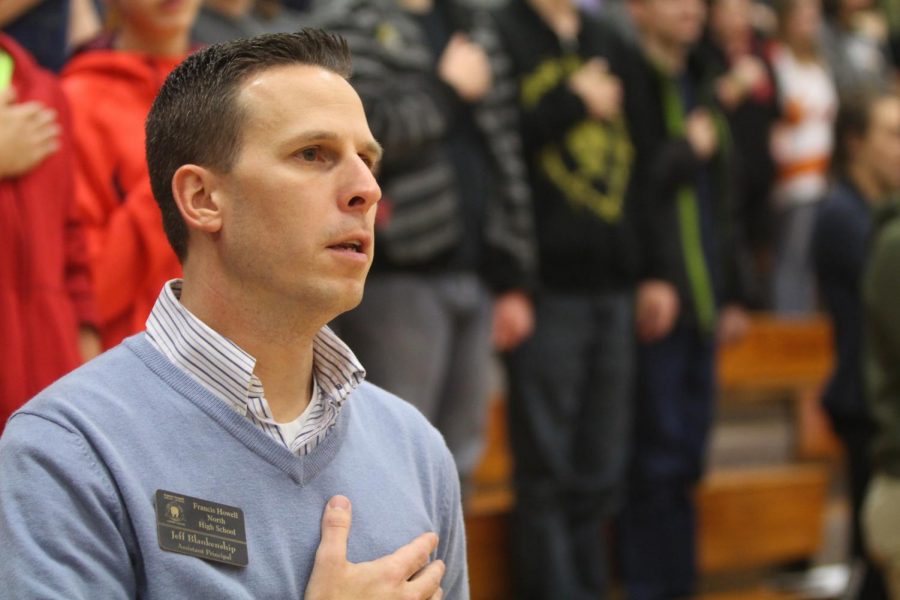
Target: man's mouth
pixel 350 246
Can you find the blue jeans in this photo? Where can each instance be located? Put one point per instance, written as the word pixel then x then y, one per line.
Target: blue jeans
pixel 427 338
pixel 657 528
pixel 569 418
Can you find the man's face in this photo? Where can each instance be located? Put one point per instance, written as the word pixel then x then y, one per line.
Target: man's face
pixel 880 148
pixel 673 22
pixel 298 206
pixel 730 18
pixel 803 22
pixel 157 18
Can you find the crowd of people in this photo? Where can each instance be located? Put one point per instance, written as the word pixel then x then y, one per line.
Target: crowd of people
pixel 598 192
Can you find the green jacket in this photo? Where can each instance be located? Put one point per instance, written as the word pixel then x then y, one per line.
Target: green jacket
pixel 881 293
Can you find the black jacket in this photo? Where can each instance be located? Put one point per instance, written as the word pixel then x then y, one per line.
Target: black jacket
pixel 432 217
pixel 664 164
pixel 580 168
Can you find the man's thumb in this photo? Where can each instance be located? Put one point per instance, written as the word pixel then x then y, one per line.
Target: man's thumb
pixel 335 530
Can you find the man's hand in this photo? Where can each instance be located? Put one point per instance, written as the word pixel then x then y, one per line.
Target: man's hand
pixel 513 320
pixel 29 133
pixel 746 74
pixel 733 325
pixel 656 309
pixel 404 574
pixel 600 90
pixel 464 66
pixel 700 131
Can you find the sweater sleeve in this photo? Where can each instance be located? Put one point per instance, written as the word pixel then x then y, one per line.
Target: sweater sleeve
pixel 59 519
pixel 452 533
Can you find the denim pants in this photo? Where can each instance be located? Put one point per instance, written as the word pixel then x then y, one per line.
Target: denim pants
pixel 569 419
pixel 427 339
pixel 657 537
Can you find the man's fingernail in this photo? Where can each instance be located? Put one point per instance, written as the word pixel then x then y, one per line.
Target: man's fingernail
pixel 339 502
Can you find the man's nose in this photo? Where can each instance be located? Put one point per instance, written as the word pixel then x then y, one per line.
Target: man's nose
pixel 363 190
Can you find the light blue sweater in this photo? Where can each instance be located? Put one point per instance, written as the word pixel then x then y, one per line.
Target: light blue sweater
pixel 81 463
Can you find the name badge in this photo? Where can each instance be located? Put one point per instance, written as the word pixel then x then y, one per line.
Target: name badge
pixel 201 528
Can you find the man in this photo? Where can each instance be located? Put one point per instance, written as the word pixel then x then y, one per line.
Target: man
pixel 194 459
pixel 686 302
pixel 867 138
pixel 881 512
pixel 454 229
pixel 571 382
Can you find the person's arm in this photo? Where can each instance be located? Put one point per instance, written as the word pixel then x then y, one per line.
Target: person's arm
pixel 678 160
pixel 660 164
pixel 513 320
pixel 77 269
pixel 61 523
pixel 451 532
pixel 510 257
pixel 115 219
pixel 29 133
pixel 118 251
pixel 10 10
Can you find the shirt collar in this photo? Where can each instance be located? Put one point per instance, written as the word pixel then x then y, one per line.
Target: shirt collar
pixel 224 366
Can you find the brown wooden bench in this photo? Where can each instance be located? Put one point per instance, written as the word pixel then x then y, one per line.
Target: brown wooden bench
pixel 754 517
pixel 748 517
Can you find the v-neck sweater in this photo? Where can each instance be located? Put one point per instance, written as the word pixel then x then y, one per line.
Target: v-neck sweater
pixel 81 463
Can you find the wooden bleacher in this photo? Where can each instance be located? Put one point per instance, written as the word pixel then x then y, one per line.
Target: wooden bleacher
pixel 748 517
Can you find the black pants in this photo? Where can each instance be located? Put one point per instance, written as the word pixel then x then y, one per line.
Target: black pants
pixel 856 434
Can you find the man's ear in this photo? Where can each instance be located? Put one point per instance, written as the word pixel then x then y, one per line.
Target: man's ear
pixel 637 11
pixel 192 187
pixel 854 142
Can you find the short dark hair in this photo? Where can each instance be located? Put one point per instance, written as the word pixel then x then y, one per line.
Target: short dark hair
pixel 854 118
pixel 196 119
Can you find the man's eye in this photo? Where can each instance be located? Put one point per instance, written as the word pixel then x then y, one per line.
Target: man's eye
pixel 309 154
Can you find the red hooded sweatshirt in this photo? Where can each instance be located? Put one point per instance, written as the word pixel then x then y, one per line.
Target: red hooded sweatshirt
pixel 111 92
pixel 45 290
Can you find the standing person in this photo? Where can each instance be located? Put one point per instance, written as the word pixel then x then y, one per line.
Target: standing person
pixel 865 162
pixel 110 85
pixel 46 308
pixel 881 511
pixel 802 143
pixel 736 53
pixel 195 458
pixel 855 45
pixel 570 384
pixel 454 229
pixel 688 301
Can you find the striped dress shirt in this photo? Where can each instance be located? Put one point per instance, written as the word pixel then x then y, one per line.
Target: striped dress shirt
pixel 226 370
